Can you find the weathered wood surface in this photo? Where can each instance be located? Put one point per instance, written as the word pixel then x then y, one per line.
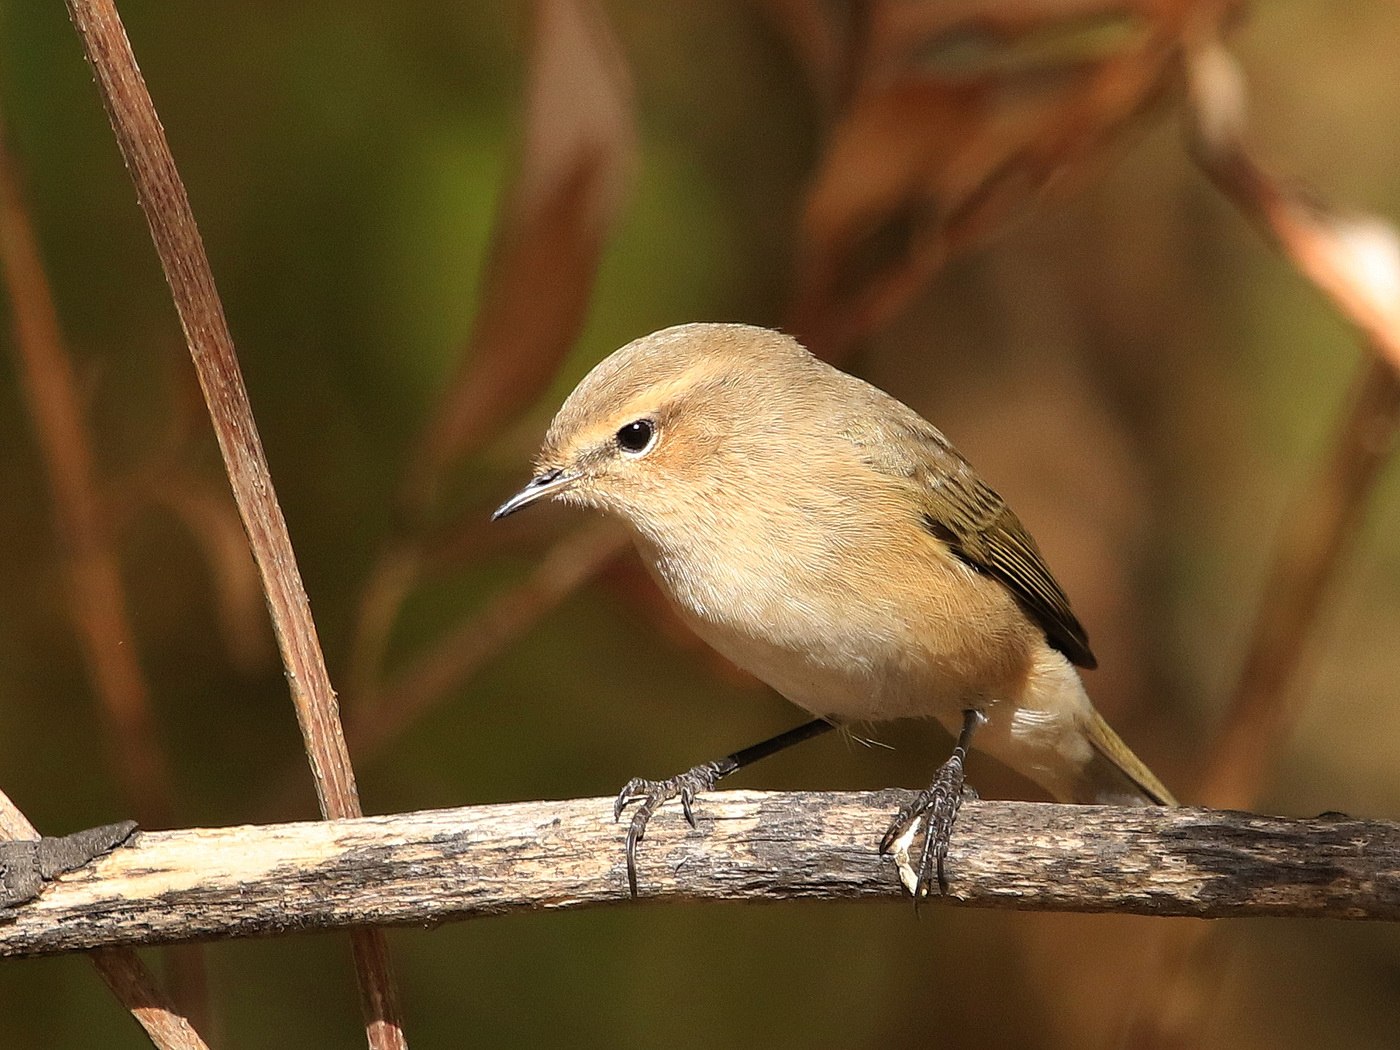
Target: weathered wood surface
pixel 438 866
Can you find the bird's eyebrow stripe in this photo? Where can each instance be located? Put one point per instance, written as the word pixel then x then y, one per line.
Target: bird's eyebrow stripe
pixel 653 398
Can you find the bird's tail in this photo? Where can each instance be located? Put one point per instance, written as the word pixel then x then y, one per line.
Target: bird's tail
pixel 1115 775
pixel 1053 735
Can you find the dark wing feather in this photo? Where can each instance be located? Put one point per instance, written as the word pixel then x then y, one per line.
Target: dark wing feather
pixel 980 529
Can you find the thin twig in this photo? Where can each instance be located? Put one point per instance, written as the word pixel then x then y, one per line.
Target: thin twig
pixel 1355 262
pixel 213 524
pixel 124 973
pixel 391 580
pixel 456 656
pixel 445 865
pixel 1316 535
pixel 438 673
pixel 181 250
pixel 97 600
pixel 96 596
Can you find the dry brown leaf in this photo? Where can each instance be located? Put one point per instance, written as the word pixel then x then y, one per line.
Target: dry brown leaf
pixel 964 121
pixel 574 173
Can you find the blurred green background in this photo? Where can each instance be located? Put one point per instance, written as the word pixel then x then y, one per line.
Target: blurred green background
pixel 1134 369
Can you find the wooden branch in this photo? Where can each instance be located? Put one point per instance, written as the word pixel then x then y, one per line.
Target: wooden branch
pixel 126 975
pixel 162 196
pixel 443 865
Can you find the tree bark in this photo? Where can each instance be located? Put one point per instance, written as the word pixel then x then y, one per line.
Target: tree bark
pixel 443 865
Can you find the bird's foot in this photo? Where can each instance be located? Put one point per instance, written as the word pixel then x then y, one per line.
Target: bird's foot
pixel 935 811
pixel 651 794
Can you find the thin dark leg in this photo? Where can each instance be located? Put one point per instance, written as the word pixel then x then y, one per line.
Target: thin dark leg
pixel 771 746
pixel 652 793
pixel 938 809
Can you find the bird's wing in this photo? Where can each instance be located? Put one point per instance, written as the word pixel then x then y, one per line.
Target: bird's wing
pixel 980 529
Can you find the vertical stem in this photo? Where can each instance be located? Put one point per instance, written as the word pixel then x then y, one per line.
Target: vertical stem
pixel 1353 263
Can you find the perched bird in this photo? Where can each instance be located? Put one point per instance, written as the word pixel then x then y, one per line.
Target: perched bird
pixel 827 539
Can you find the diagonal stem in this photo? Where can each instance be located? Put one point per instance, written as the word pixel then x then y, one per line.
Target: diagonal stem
pixel 178 243
pixel 1353 262
pixel 124 973
pixel 96 597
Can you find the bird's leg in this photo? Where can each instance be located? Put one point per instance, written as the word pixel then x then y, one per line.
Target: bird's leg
pixel 937 810
pixel 652 793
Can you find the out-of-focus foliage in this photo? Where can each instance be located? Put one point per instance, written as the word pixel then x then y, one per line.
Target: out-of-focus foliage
pixel 1117 350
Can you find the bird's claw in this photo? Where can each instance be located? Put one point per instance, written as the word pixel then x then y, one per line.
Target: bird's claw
pixel 936 811
pixel 651 794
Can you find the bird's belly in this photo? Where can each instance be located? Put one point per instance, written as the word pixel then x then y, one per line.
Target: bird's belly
pixel 832 684
pixel 853 637
pixel 857 664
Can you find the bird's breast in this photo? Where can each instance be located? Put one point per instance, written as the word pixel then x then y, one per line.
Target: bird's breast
pixel 845 623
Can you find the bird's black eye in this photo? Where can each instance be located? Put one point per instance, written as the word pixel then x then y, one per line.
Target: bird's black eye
pixel 636 437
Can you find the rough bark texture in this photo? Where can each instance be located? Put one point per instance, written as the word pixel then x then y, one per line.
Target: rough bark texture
pixel 26 865
pixel 432 867
pixel 121 968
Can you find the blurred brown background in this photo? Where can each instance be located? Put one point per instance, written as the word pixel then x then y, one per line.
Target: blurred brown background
pixel 404 210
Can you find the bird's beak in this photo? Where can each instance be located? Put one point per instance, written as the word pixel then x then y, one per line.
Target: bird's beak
pixel 542 485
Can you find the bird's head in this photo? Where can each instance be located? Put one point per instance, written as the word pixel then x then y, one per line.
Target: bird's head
pixel 675 425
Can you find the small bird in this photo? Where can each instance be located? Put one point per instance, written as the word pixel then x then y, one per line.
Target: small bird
pixel 827 539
